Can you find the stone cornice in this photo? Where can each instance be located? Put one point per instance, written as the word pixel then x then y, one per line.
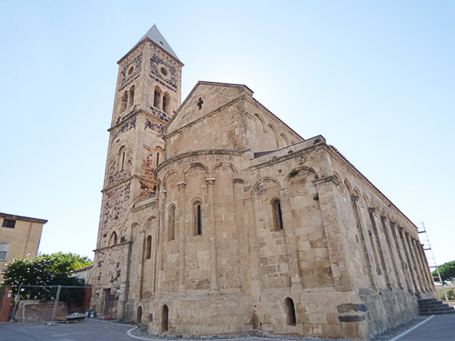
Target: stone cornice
pixel 336 154
pixel 118 184
pixel 101 249
pixel 134 114
pixel 198 153
pixel 329 178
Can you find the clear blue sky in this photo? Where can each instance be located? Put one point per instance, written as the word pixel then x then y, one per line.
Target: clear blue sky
pixel 375 78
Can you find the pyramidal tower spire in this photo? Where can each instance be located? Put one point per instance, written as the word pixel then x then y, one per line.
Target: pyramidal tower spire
pixel 147 94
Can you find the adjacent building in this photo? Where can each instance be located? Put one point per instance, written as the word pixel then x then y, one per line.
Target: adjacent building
pixel 19 237
pixel 218 218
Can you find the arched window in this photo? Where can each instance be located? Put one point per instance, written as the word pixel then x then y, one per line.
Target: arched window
pixel 148 248
pixel 166 100
pixel 157 97
pixel 121 158
pixel 139 315
pixel 171 223
pixel 197 212
pixel 277 216
pixel 113 239
pixel 131 97
pixel 290 312
pixel 157 158
pixel 124 101
pixel 164 318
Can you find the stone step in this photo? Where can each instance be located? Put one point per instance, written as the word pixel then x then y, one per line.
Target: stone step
pixel 432 306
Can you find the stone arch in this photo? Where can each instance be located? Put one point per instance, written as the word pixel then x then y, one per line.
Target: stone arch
pixel 261 120
pixel 299 171
pixel 275 134
pixel 225 164
pixel 348 185
pixel 356 192
pixel 194 166
pixel 168 175
pixel 284 141
pixel 257 185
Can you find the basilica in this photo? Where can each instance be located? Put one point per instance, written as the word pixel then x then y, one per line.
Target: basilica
pixel 219 219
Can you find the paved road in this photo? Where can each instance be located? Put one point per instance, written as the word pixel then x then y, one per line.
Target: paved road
pixel 440 328
pixel 89 330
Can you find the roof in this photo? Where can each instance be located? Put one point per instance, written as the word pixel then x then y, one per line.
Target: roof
pixel 18 217
pixel 154 35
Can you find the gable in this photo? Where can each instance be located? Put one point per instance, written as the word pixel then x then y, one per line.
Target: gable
pixel 205 98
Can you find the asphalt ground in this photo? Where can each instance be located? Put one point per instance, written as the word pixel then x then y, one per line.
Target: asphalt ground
pixel 440 328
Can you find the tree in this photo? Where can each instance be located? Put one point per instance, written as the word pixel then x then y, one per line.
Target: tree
pixel 45 270
pixel 447 271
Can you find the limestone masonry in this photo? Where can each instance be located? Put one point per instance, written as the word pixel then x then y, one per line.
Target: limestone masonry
pixel 218 218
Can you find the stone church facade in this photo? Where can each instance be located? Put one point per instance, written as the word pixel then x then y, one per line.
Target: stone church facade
pixel 218 218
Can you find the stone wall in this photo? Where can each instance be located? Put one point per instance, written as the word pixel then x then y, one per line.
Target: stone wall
pixel 36 311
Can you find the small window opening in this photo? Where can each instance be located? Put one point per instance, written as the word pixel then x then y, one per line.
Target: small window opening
pixel 131 97
pixel 9 223
pixel 157 97
pixel 171 223
pixel 290 312
pixel 277 215
pixel 113 239
pixel 166 100
pixel 130 70
pixel 164 318
pixel 139 315
pixel 198 219
pixel 157 158
pixel 164 71
pixel 148 248
pixel 124 101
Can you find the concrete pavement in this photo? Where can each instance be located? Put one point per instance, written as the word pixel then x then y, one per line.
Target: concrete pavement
pixel 439 328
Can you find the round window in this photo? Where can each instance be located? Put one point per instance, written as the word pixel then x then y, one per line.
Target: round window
pixel 130 70
pixel 164 71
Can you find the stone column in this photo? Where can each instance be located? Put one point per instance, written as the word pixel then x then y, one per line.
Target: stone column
pixel 361 231
pixel 212 238
pixel 404 277
pixel 242 233
pixel 420 265
pixel 408 261
pixel 181 235
pixel 381 248
pixel 335 231
pixel 291 245
pixel 256 279
pixel 390 251
pixel 413 263
pixel 160 240
pixel 427 268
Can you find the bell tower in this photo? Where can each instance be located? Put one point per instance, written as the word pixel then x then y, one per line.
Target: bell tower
pixel 147 95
